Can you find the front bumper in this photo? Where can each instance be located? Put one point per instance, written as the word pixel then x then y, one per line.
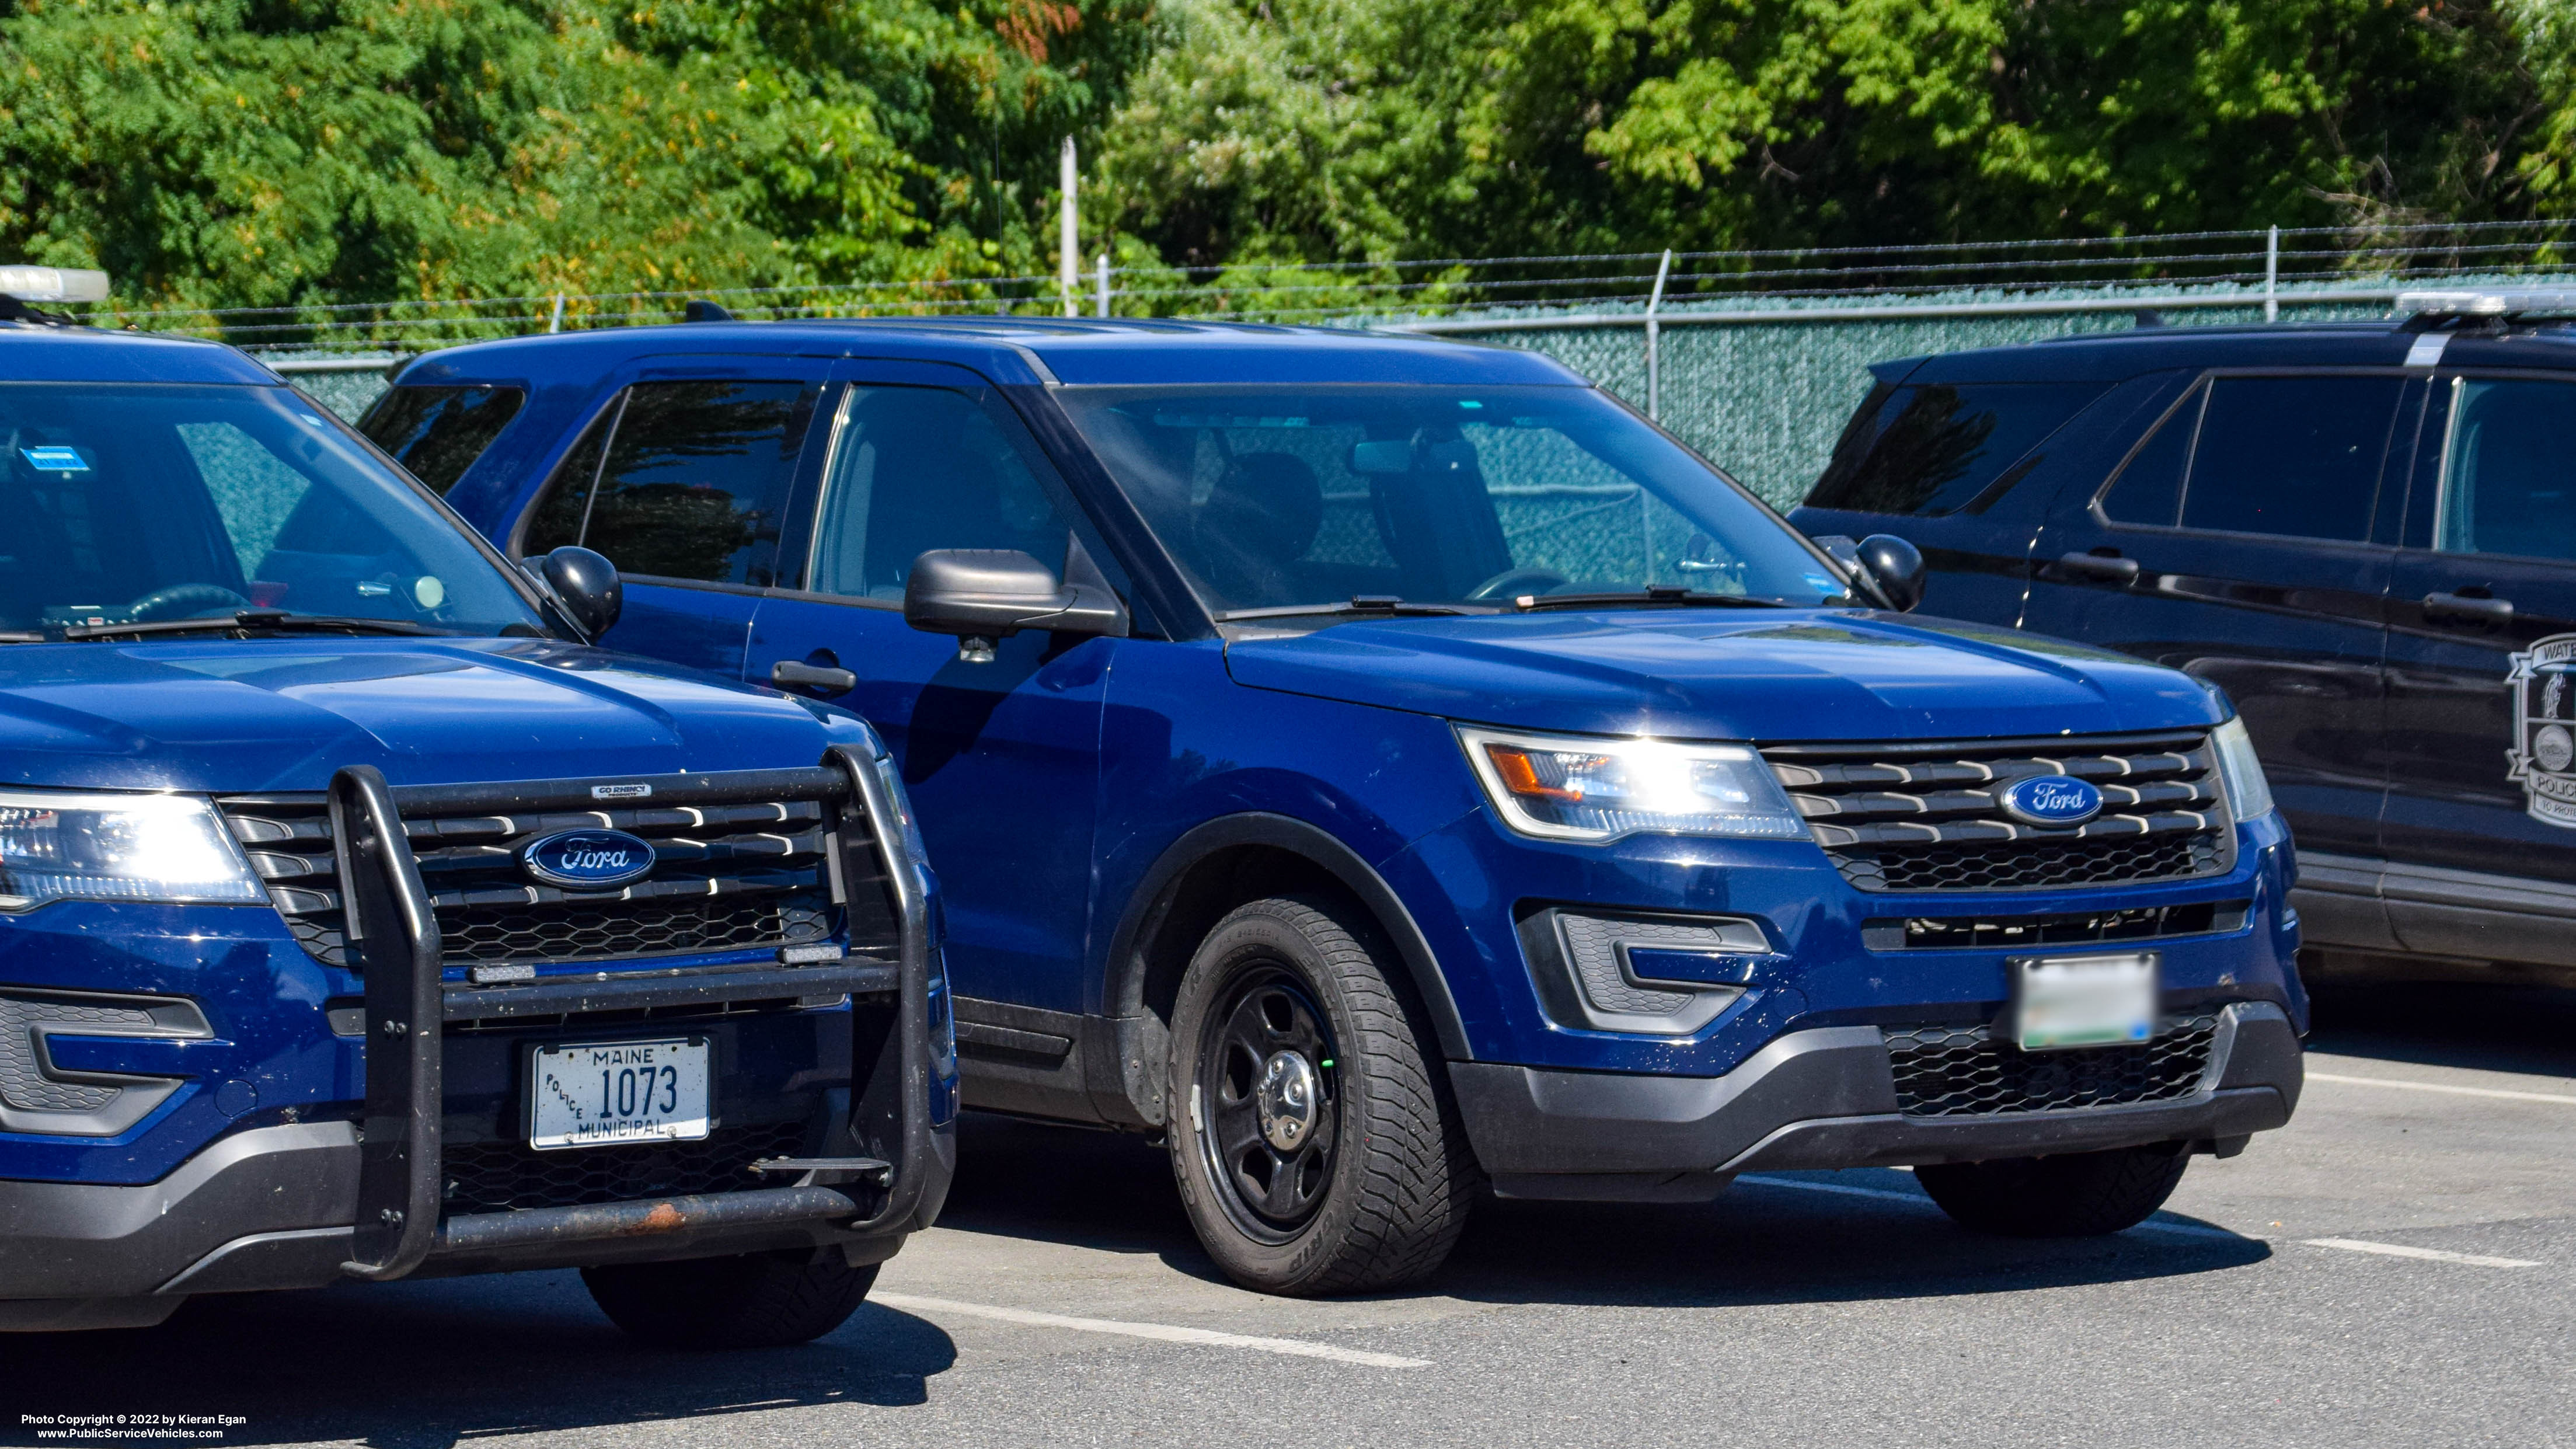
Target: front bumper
pixel 1826 1098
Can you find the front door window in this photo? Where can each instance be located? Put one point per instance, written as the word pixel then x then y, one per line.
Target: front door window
pixel 921 468
pixel 2509 471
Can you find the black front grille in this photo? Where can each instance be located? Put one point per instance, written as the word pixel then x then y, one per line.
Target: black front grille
pixel 2078 928
pixel 1962 1071
pixel 575 932
pixel 491 1177
pixel 740 875
pixel 1930 817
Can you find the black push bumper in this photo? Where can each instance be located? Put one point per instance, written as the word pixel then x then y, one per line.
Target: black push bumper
pixel 273 1208
pixel 1825 1098
pixel 305 1205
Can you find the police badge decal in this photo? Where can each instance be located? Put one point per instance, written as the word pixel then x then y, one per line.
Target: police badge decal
pixel 2544 728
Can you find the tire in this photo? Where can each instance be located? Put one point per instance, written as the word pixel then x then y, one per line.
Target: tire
pixel 1374 1189
pixel 2077 1195
pixel 757 1300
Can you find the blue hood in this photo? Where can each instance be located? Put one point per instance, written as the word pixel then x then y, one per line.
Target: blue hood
pixel 1763 675
pixel 262 715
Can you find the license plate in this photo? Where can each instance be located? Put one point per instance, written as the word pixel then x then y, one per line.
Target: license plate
pixel 2081 1001
pixel 599 1094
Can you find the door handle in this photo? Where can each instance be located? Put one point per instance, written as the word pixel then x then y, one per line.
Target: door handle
pixel 788 674
pixel 2097 567
pixel 2462 609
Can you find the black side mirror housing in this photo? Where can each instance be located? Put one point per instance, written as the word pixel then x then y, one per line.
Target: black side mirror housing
pixel 585 583
pixel 983 594
pixel 1896 567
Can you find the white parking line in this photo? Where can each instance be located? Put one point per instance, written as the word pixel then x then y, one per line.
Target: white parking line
pixel 1159 1332
pixel 2188 1230
pixel 2509 1096
pixel 2434 1255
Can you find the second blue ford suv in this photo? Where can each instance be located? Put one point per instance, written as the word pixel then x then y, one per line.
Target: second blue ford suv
pixel 1384 767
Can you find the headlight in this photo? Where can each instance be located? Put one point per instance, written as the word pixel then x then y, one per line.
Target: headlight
pixel 1593 789
pixel 2248 794
pixel 117 848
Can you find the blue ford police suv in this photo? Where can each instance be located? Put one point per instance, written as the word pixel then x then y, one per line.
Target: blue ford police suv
pixel 1384 767
pixel 359 919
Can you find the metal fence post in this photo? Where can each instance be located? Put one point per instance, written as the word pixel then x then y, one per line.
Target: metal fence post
pixel 1068 239
pixel 2272 277
pixel 1101 274
pixel 555 322
pixel 1654 340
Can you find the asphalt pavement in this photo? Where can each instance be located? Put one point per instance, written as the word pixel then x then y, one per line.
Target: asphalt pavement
pixel 2394 1268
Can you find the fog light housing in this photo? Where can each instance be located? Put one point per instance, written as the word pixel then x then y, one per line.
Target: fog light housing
pixel 1654 975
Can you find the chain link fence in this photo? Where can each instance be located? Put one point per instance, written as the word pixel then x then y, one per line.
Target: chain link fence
pixel 1753 357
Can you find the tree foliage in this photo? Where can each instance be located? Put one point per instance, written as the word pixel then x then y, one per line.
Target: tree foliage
pixel 1392 128
pixel 294 152
pixel 275 152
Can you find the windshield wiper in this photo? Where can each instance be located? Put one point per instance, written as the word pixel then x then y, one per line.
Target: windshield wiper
pixel 1387 604
pixel 1653 594
pixel 266 620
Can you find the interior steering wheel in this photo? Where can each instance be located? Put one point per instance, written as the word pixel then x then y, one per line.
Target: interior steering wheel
pixel 1512 583
pixel 183 601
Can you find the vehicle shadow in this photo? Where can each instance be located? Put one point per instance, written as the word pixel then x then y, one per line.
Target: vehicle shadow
pixel 1759 1242
pixel 425 1365
pixel 2493 1028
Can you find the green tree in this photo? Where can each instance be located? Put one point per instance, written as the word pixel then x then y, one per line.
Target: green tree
pixel 291 152
pixel 1393 128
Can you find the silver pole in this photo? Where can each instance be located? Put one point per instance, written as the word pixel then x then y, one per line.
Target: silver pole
pixel 1654 341
pixel 1068 237
pixel 555 322
pixel 1100 272
pixel 2272 277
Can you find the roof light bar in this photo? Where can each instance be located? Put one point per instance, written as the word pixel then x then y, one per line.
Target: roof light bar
pixel 53 284
pixel 2497 302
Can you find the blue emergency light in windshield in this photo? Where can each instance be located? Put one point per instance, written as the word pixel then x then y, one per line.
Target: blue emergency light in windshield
pixel 54 460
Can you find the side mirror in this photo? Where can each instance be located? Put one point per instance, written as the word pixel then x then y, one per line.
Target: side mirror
pixel 982 594
pixel 585 583
pixel 1896 567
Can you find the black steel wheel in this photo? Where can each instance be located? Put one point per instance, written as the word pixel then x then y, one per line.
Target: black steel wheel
pixel 1268 1107
pixel 1313 1137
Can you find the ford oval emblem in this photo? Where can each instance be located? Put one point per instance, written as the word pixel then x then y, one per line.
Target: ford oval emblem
pixel 2052 800
pixel 587 860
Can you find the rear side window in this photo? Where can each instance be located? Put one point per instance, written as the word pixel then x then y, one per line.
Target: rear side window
pixel 1935 448
pixel 2295 457
pixel 681 480
pixel 438 432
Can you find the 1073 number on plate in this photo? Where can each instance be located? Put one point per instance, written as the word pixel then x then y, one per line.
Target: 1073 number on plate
pixel 595 1094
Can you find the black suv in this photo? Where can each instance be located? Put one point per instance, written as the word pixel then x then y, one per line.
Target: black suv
pixel 2366 532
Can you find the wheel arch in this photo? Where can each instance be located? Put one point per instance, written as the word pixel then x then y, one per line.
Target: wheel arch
pixel 1220 864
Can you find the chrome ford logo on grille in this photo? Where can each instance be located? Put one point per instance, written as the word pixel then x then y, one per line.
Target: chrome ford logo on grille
pixel 588 860
pixel 2052 800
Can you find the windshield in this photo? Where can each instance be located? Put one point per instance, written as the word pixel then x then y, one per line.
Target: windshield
pixel 1299 495
pixel 134 503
